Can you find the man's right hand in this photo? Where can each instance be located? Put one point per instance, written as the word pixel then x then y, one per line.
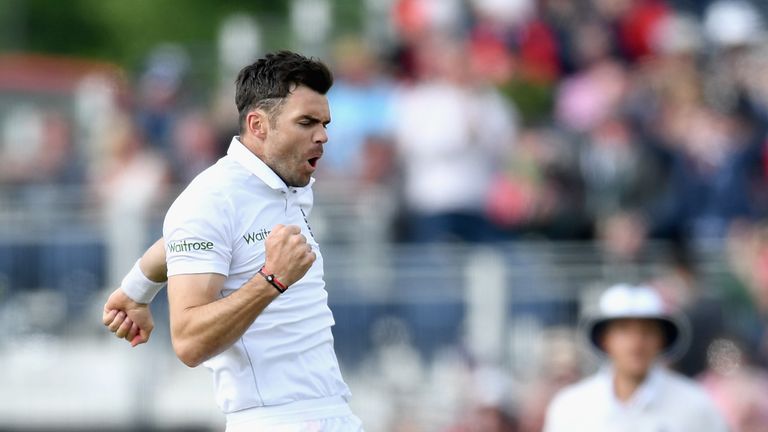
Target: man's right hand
pixel 289 257
pixel 127 319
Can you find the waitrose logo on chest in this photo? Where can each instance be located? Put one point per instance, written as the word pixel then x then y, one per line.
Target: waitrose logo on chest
pixel 189 246
pixel 256 236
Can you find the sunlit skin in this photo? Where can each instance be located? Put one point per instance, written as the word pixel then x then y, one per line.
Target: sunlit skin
pixel 633 345
pixel 290 141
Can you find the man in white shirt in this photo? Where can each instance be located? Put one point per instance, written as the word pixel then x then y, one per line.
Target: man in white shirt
pixel 633 393
pixel 452 132
pixel 245 276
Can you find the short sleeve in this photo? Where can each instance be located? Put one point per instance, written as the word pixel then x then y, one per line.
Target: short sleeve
pixel 197 234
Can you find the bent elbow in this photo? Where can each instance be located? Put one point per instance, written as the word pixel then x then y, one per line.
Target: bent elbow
pixel 188 355
pixel 189 361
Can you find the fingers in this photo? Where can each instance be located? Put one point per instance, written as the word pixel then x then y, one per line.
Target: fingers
pixel 299 239
pixel 108 316
pixel 289 254
pixel 137 341
pixel 281 229
pixel 132 333
pixel 117 321
pixel 141 338
pixel 310 254
pixel 127 319
pixel 124 328
pixel 293 229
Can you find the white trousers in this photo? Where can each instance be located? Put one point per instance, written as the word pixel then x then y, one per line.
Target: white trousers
pixel 318 415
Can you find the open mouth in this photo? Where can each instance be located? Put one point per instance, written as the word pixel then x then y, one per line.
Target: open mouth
pixel 313 161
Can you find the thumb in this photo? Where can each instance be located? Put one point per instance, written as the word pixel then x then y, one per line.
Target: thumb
pixel 140 338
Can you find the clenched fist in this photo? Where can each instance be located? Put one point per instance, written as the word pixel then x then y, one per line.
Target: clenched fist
pixel 127 319
pixel 289 256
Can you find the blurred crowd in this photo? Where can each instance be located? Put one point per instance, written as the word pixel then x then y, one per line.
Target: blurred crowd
pixel 618 121
pixel 488 120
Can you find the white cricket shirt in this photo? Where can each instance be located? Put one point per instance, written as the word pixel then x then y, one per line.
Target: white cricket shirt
pixel 218 225
pixel 665 402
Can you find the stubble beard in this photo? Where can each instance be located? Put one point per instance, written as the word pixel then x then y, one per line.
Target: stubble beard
pixel 289 177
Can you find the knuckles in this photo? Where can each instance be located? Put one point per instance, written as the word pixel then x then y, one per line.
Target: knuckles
pixel 288 249
pixel 298 240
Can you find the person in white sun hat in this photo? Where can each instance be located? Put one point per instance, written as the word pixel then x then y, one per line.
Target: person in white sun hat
pixel 633 392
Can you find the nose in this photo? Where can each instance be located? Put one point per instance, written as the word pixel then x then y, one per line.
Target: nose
pixel 320 136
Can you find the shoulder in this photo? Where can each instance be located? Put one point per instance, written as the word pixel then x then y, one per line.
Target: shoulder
pixel 684 388
pixel 692 403
pixel 209 194
pixel 567 410
pixel 574 395
pixel 220 182
pixel 219 178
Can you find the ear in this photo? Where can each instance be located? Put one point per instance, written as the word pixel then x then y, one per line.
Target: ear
pixel 257 124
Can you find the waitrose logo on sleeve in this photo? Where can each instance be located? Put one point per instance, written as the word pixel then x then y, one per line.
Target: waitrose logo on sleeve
pixel 189 246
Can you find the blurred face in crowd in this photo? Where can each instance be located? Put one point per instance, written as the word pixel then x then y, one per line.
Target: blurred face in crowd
pixel 292 135
pixel 633 345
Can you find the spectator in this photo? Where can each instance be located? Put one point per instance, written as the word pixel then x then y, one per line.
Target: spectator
pixel 747 254
pixel 159 92
pixel 491 405
pixel 737 387
pixel 538 190
pixel 558 367
pixel 127 183
pixel 450 133
pixel 36 149
pixel 194 146
pixel 712 164
pixel 361 99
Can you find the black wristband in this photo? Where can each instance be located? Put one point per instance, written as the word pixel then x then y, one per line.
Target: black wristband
pixel 273 281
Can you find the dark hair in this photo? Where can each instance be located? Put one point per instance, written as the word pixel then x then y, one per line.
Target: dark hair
pixel 266 82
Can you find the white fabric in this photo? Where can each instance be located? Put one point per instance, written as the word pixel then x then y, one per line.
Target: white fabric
pixel 138 287
pixel 631 301
pixel 218 225
pixel 452 140
pixel 666 402
pixel 328 415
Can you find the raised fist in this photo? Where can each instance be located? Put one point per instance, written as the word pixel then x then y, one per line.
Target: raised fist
pixel 289 256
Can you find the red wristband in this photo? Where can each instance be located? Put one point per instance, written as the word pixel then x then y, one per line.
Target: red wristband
pixel 273 280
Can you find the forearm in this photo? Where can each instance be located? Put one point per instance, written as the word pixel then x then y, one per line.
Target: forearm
pixel 201 332
pixel 153 263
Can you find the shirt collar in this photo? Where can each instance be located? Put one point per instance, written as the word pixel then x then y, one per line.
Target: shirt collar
pixel 240 153
pixel 644 395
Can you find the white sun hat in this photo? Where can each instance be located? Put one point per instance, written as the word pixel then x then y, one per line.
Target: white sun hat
pixel 629 301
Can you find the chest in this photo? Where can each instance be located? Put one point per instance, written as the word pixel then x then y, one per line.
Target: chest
pixel 670 416
pixel 256 220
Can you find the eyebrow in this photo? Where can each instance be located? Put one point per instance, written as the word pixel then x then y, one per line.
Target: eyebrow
pixel 314 119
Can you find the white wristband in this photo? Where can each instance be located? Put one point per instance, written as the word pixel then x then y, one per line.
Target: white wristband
pixel 138 287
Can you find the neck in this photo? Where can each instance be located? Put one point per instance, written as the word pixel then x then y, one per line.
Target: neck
pixel 625 385
pixel 252 145
pixel 256 147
